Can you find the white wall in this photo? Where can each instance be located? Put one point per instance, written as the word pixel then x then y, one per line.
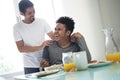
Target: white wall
pixel 86 14
pixel 110 10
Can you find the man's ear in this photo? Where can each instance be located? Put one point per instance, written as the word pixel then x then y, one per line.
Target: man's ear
pixel 68 32
pixel 21 13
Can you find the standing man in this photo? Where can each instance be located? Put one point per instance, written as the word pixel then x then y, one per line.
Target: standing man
pixel 29 36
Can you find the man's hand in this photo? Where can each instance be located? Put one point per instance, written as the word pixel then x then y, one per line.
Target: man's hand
pixel 92 61
pixel 75 36
pixel 46 43
pixel 44 63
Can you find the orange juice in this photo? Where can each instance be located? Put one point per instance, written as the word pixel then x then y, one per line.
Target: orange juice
pixel 113 57
pixel 69 66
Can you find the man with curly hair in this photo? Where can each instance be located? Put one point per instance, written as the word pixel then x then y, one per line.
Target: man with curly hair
pixel 64 42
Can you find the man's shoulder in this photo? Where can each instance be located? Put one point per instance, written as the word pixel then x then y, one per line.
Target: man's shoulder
pixel 75 44
pixel 39 20
pixel 54 44
pixel 17 24
pixel 51 47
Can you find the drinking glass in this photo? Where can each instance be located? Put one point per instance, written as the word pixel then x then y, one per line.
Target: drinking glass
pixel 69 64
pixel 80 58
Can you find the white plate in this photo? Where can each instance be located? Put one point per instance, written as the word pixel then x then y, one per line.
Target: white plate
pixel 53 67
pixel 42 73
pixel 98 64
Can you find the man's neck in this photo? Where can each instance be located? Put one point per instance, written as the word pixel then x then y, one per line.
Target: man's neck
pixel 27 21
pixel 64 43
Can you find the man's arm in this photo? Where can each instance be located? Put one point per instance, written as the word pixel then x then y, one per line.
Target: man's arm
pixel 22 48
pixel 82 44
pixel 45 61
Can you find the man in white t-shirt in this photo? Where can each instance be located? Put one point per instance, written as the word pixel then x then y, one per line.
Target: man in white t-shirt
pixel 29 36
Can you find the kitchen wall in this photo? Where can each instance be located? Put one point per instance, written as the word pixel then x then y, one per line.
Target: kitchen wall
pixel 87 16
pixel 110 10
pixel 91 17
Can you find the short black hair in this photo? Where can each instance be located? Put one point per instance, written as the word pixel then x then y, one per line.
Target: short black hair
pixel 24 4
pixel 68 22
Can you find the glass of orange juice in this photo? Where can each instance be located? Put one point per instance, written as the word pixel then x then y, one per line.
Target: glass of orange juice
pixel 69 64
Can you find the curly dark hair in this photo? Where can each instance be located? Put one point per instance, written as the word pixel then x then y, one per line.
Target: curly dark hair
pixel 68 22
pixel 24 4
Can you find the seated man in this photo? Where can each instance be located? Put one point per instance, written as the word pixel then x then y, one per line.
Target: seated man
pixel 64 42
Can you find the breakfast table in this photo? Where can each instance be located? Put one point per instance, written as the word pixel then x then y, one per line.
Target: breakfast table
pixel 104 72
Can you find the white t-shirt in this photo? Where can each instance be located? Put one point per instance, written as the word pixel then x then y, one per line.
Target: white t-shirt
pixel 33 35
